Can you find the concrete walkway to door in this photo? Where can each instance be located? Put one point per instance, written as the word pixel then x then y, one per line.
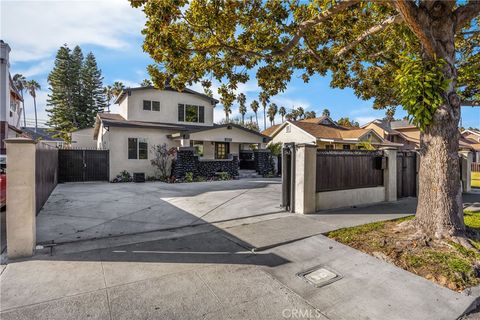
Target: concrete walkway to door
pixel 80 211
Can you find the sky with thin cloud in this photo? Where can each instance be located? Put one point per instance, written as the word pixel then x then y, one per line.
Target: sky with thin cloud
pixel 111 29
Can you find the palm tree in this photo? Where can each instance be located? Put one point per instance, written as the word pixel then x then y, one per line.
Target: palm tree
pixel 227 108
pixel 300 113
pixel 282 111
pixel 20 83
pixel 254 106
pixel 117 88
pixel 272 112
pixel 241 98
pixel 146 83
pixel 264 99
pixel 326 113
pixel 32 87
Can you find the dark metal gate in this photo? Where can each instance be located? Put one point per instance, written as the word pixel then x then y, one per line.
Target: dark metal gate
pixel 288 176
pixel 406 174
pixel 83 165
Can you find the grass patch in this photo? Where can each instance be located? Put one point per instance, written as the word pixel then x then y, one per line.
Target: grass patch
pixel 447 264
pixel 475 179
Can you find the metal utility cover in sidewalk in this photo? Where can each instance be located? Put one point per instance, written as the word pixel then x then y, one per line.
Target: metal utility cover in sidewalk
pixel 320 276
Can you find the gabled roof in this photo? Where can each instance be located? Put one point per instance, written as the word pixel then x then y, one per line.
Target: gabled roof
pixel 116 120
pixel 471 131
pixel 270 130
pixel 127 91
pixel 401 124
pixel 383 124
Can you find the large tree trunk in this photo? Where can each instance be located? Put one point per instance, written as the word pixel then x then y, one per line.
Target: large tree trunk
pixel 439 211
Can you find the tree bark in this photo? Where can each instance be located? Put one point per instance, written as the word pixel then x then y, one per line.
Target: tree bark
pixel 439 211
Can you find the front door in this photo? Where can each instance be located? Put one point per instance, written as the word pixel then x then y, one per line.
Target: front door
pixel 222 149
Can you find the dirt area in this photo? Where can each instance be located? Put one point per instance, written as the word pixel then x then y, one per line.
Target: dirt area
pixel 445 263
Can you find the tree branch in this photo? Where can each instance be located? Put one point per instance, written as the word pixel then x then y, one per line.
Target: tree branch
pixel 464 14
pixel 412 15
pixel 468 103
pixel 380 27
pixel 310 23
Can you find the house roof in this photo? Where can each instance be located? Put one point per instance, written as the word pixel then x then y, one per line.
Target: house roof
pixel 217 126
pixel 126 91
pixel 401 124
pixel 41 134
pixel 383 124
pixel 414 136
pixel 471 131
pixel 116 120
pixel 270 130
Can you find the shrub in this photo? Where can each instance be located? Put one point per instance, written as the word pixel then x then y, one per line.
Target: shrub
pixel 222 176
pixel 123 176
pixel 162 156
pixel 188 177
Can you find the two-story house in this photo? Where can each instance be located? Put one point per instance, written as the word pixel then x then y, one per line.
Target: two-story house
pixel 148 117
pixel 10 101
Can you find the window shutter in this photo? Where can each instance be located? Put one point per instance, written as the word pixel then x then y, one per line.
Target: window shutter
pixel 201 114
pixel 181 112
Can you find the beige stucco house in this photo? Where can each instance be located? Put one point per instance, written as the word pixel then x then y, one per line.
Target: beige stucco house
pixel 148 117
pixel 326 134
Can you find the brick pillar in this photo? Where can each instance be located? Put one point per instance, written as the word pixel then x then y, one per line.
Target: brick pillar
pixel 262 161
pixel 186 161
pixel 21 197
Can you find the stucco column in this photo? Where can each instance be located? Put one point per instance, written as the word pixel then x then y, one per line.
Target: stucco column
pixel 390 175
pixel 185 142
pixel 21 211
pixel 466 174
pixel 305 178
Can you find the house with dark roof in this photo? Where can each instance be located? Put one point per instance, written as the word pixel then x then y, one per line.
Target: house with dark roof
pixel 326 134
pixel 149 117
pixel 42 134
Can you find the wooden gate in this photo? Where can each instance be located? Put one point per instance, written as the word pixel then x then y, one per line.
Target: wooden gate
pixel 83 165
pixel 406 174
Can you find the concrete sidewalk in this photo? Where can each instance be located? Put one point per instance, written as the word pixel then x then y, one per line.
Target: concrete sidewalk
pixel 244 268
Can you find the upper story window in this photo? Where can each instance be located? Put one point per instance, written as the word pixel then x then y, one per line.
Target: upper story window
pixel 151 105
pixel 137 148
pixel 191 113
pixel 288 129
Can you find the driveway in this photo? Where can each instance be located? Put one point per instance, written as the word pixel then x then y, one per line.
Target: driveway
pixel 81 211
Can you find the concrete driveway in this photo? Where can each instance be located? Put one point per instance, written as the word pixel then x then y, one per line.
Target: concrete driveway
pixel 80 211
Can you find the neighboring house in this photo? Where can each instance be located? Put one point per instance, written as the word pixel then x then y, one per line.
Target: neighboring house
pixel 326 134
pixel 472 137
pixel 10 100
pixel 472 134
pixel 401 132
pixel 405 133
pixel 44 135
pixel 83 139
pixel 150 117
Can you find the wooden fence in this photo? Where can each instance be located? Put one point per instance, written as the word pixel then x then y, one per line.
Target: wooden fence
pixel 476 166
pixel 348 169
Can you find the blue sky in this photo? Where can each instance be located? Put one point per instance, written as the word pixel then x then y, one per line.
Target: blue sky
pixel 111 30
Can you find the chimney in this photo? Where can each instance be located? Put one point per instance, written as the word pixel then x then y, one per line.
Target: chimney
pixel 4 80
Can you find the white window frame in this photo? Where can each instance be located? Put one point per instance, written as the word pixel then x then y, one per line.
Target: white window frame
pixel 151 105
pixel 185 112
